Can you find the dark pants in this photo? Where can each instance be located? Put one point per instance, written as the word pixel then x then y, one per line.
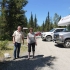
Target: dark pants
pixel 17 49
pixel 31 45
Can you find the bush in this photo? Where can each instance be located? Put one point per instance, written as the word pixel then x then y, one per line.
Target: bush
pixel 5 37
pixel 3 45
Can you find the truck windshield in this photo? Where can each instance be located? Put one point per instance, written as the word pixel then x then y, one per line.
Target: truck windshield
pixel 52 30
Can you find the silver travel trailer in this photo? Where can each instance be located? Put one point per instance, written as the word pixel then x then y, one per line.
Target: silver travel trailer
pixel 64 36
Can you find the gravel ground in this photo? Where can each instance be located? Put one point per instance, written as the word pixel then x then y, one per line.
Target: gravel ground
pixel 48 56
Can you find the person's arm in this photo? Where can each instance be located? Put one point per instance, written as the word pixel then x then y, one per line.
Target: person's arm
pixel 23 39
pixel 13 39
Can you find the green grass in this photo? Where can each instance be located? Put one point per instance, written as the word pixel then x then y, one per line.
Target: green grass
pixel 10 50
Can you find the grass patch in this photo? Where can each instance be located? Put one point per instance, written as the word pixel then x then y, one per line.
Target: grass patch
pixel 10 48
pixel 3 45
pixel 10 51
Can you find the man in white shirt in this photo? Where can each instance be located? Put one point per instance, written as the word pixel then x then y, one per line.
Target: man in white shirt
pixel 17 39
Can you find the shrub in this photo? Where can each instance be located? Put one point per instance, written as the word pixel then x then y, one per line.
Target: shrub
pixel 3 45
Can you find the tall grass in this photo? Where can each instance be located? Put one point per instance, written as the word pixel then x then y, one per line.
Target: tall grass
pixel 3 45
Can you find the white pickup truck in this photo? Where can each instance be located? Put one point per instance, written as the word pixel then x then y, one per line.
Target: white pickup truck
pixel 49 36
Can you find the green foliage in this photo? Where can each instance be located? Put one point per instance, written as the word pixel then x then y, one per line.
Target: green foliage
pixel 31 23
pixel 43 26
pixel 56 19
pixel 3 45
pixel 12 15
pixel 4 37
pixel 48 24
pixel 35 23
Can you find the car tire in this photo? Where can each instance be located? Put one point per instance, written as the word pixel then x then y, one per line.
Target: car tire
pixel 67 43
pixel 48 38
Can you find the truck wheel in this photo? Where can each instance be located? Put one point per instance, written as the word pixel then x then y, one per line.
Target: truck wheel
pixel 48 38
pixel 67 43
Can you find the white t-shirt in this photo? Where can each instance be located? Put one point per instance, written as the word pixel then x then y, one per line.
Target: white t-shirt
pixel 31 38
pixel 18 36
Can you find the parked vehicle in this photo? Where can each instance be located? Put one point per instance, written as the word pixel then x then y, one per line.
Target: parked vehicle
pixel 63 37
pixel 25 30
pixel 48 36
pixel 37 33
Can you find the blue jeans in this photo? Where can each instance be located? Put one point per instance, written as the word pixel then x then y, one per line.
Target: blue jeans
pixel 17 49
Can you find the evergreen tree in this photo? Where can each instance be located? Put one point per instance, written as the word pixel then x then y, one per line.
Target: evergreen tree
pixel 48 22
pixel 46 25
pixel 56 19
pixel 35 22
pixel 2 20
pixel 31 23
pixel 43 26
pixel 51 25
pixel 25 22
pixel 15 15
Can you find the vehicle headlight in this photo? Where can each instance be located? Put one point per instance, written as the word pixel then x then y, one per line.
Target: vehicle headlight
pixel 61 37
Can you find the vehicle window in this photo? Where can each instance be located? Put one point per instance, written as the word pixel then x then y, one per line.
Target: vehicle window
pixel 68 28
pixel 58 30
pixel 61 30
pixel 52 30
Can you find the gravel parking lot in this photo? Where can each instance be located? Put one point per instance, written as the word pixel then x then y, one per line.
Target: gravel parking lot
pixel 48 56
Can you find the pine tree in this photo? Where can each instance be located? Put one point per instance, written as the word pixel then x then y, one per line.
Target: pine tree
pixel 15 15
pixel 56 19
pixel 31 22
pixel 2 20
pixel 43 26
pixel 48 22
pixel 35 23
pixel 51 25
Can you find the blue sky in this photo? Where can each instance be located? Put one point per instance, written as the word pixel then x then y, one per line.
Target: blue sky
pixel 41 8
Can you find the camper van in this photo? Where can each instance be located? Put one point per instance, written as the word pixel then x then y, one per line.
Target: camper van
pixel 25 30
pixel 64 36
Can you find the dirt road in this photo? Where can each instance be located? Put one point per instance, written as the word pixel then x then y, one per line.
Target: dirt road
pixel 48 57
